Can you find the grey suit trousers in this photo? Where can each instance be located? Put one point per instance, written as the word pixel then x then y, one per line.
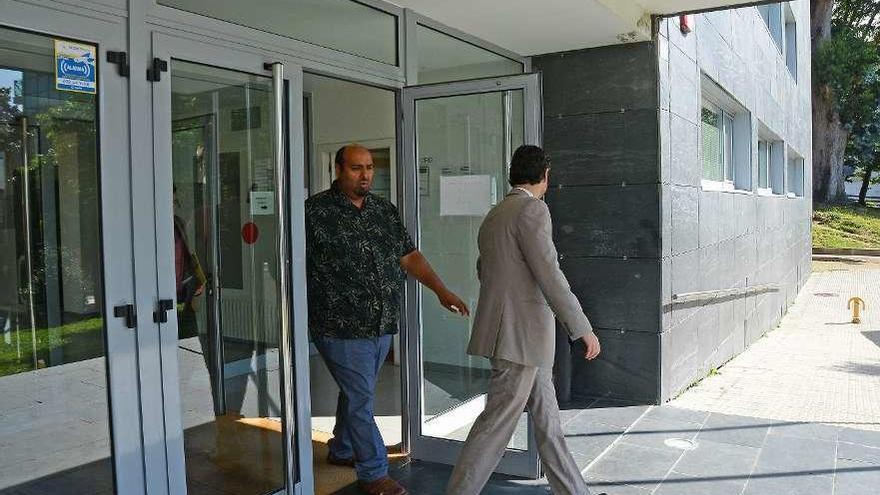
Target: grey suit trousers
pixel 512 388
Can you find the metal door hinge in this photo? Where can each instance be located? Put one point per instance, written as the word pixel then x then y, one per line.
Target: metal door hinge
pixel 121 61
pixel 128 312
pixel 154 73
pixel 161 313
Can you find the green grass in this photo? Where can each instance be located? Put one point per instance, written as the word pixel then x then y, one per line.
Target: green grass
pixel 846 226
pixel 80 340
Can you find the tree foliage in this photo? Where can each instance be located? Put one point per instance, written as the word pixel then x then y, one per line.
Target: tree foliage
pixel 847 66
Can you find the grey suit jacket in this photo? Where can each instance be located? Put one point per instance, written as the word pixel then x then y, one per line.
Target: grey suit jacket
pixel 522 286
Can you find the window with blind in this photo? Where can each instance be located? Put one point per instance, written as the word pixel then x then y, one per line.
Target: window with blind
pixel 718 138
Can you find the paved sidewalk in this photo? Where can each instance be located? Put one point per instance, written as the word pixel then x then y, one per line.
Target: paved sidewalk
pixel 798 413
pixel 816 367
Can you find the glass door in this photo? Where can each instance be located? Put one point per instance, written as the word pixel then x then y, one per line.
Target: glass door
pixel 458 140
pixel 69 419
pixel 224 258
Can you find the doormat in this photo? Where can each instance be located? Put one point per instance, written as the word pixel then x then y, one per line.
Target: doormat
pixel 329 479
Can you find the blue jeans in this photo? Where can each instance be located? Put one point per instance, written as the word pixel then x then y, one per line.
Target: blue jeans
pixel 355 365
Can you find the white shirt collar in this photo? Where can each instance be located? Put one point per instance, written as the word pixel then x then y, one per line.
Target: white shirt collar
pixel 525 191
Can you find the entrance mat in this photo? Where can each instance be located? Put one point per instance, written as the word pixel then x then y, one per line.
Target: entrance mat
pixel 329 479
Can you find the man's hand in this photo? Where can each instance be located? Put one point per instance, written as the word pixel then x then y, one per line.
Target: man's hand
pixel 453 303
pixel 592 344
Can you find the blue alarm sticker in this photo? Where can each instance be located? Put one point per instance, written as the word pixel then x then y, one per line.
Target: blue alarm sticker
pixel 75 67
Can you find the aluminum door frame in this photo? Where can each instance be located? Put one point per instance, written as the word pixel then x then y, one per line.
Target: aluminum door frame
pixel 108 33
pixel 518 463
pixel 287 77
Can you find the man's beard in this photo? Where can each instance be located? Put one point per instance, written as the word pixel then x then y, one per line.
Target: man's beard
pixel 361 191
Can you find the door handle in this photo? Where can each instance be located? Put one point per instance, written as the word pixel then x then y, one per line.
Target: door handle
pixel 161 313
pixel 128 312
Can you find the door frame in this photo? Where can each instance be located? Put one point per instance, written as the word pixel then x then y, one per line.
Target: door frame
pixel 445 451
pixel 108 33
pixel 295 357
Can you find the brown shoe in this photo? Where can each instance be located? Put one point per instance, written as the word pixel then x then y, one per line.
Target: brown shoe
pixel 338 461
pixel 382 486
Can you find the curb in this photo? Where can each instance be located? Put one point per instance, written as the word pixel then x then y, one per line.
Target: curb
pixel 847 252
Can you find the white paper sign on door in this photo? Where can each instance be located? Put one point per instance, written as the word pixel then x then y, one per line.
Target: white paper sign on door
pixel 465 195
pixel 262 203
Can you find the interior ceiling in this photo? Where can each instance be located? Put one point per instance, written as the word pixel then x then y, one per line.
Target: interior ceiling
pixel 531 28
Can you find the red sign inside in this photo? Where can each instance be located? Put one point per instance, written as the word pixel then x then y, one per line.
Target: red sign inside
pixel 250 233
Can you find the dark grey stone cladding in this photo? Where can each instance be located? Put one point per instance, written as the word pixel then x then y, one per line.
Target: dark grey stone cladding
pixel 601 130
pixel 634 224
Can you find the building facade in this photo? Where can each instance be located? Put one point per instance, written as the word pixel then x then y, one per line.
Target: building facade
pixel 682 199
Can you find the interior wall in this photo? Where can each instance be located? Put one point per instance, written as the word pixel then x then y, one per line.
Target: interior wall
pixel 347 112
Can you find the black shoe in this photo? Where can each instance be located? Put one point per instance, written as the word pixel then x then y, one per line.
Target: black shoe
pixel 337 461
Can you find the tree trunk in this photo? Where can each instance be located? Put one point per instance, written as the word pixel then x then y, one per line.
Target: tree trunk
pixel 866 183
pixel 829 147
pixel 829 136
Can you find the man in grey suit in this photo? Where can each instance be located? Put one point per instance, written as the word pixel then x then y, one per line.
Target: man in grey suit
pixel 521 287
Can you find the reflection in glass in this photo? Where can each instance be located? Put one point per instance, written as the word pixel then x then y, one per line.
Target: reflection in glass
pixel 459 137
pixel 54 424
pixel 226 264
pixel 343 25
pixel 443 58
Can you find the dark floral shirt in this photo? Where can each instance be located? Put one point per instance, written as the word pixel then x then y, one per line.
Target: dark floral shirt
pixel 355 280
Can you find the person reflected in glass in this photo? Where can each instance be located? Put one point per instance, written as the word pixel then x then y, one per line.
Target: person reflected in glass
pixel 522 288
pixel 358 256
pixel 189 278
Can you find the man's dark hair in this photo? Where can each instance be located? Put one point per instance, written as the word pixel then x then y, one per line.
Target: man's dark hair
pixel 339 159
pixel 528 165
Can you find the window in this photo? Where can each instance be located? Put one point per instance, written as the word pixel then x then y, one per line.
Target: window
pixel 342 25
pixel 725 129
pixel 443 58
pixel 795 177
pixel 717 129
pixel 791 48
pixel 770 165
pixel 772 16
pixel 763 165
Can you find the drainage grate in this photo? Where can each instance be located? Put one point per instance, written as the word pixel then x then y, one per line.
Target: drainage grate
pixel 826 294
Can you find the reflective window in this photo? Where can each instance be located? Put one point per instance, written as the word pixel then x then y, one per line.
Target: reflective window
pixel 443 58
pixel 462 142
pixel 342 25
pixel 226 272
pixel 54 421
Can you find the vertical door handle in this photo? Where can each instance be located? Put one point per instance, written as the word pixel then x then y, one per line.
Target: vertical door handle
pixel 161 313
pixel 128 312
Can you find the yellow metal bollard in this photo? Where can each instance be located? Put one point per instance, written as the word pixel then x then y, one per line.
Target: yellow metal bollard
pixel 857 305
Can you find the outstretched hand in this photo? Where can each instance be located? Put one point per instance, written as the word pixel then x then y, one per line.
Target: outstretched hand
pixel 453 303
pixel 592 344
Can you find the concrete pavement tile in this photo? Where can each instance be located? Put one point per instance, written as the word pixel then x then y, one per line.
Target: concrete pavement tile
pixel 856 478
pixel 597 485
pixel 676 415
pixel 793 455
pixel 711 459
pixel 613 413
pixel 780 484
pixel 634 465
pixel 737 430
pixel 861 437
pixel 653 433
pixel 816 431
pixel 861 453
pixel 587 439
pixel 678 484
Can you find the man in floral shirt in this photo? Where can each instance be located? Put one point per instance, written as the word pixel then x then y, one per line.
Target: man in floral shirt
pixel 358 256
